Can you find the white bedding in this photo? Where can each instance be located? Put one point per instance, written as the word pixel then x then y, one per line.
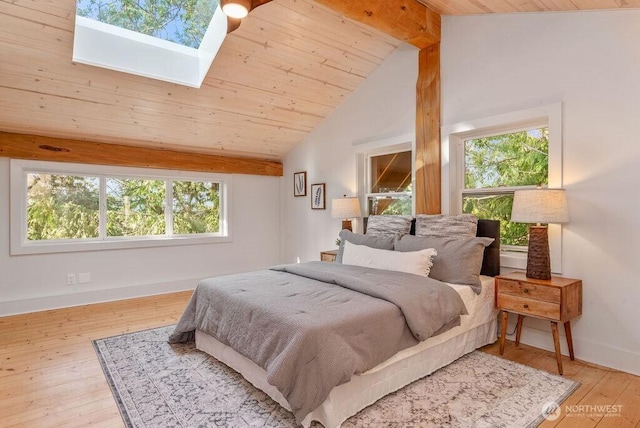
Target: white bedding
pixel 476 330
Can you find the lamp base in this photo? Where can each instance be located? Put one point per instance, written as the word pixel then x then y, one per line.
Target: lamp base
pixel 538 260
pixel 346 224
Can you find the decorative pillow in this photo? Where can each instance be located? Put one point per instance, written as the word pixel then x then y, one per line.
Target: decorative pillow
pixel 446 225
pixel 459 259
pixel 389 225
pixel 415 262
pixel 380 242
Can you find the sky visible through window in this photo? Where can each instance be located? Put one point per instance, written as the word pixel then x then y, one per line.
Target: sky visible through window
pixel 179 21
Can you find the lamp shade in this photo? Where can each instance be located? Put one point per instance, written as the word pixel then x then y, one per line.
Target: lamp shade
pixel 345 208
pixel 540 206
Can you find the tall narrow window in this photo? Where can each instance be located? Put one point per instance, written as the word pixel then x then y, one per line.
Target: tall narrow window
pixel 390 184
pixel 487 159
pixel 497 165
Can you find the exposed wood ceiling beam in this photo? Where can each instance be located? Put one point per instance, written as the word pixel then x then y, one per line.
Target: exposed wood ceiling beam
pixel 23 146
pixel 406 20
pixel 469 7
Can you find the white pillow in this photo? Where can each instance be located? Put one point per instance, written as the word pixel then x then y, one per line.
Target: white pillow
pixel 415 262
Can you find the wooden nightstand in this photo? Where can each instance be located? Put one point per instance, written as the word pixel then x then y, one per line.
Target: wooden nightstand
pixel 328 256
pixel 557 300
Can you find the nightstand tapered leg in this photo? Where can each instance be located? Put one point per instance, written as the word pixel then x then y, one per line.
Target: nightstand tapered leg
pixel 556 342
pixel 519 329
pixel 503 335
pixel 567 332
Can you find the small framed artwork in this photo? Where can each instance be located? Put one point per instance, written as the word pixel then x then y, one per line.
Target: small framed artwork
pixel 300 183
pixel 317 196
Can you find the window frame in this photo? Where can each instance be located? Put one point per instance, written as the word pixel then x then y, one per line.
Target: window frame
pixel 379 148
pixel 453 167
pixel 20 245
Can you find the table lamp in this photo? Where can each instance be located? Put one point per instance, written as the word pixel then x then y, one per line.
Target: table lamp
pixel 539 206
pixel 345 208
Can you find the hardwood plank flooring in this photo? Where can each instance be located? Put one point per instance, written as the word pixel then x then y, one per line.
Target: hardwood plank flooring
pixel 50 376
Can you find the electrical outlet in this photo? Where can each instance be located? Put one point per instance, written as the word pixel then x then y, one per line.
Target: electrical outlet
pixel 84 277
pixel 71 279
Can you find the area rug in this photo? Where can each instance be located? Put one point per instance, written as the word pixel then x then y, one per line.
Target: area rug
pixel 157 384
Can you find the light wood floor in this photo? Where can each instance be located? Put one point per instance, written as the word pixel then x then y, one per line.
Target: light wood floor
pixel 50 376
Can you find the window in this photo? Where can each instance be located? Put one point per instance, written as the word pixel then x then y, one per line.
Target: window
pixel 72 207
pixel 390 183
pixel 488 159
pixel 175 41
pixel 497 165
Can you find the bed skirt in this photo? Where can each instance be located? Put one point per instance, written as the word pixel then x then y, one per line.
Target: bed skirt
pixel 365 389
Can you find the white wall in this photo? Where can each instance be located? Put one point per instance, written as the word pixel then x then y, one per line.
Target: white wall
pixel 383 106
pixel 37 282
pixel 589 61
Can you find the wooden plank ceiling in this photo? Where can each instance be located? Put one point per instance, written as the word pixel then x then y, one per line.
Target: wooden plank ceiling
pixel 470 7
pixel 286 68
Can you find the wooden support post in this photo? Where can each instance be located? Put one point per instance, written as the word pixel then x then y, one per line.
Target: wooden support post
pixel 428 168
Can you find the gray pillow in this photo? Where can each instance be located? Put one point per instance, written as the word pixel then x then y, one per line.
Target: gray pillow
pixel 446 225
pixel 379 242
pixel 389 225
pixel 459 259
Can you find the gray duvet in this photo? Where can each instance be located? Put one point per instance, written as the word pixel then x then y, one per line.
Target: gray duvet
pixel 312 326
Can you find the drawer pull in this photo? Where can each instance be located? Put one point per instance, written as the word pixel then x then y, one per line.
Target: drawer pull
pixel 526 290
pixel 526 306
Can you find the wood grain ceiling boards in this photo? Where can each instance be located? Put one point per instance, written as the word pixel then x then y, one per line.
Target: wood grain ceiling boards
pixel 287 67
pixel 470 7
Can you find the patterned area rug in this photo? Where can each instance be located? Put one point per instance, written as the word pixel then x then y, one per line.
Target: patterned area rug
pixel 160 385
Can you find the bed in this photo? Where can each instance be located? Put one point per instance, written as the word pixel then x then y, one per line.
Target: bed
pixel 391 363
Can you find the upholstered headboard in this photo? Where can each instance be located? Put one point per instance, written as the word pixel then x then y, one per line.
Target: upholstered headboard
pixel 486 228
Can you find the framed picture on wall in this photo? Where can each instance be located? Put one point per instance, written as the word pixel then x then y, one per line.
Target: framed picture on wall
pixel 317 196
pixel 300 183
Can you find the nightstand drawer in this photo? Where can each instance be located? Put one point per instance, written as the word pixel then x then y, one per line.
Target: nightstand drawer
pixel 529 291
pixel 528 306
pixel 328 256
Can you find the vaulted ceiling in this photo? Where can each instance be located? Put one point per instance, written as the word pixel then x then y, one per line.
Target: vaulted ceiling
pixel 289 64
pixel 284 70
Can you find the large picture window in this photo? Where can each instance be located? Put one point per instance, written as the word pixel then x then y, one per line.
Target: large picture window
pixel 71 207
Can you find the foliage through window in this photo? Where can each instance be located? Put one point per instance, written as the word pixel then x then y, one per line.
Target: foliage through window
pixel 135 207
pixel 390 184
pixel 62 206
pixel 497 165
pixel 68 207
pixel 195 207
pixel 180 21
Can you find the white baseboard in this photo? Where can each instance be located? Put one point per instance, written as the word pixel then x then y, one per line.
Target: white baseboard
pixel 585 350
pixel 15 307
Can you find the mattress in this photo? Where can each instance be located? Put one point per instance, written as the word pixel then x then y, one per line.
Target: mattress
pixel 476 329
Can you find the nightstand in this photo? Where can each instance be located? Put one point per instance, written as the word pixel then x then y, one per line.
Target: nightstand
pixel 328 256
pixel 557 300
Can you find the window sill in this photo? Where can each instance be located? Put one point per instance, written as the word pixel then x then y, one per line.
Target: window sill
pixel 513 259
pixel 113 244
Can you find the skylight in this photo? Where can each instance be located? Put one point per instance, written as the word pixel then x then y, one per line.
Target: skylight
pixel 171 40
